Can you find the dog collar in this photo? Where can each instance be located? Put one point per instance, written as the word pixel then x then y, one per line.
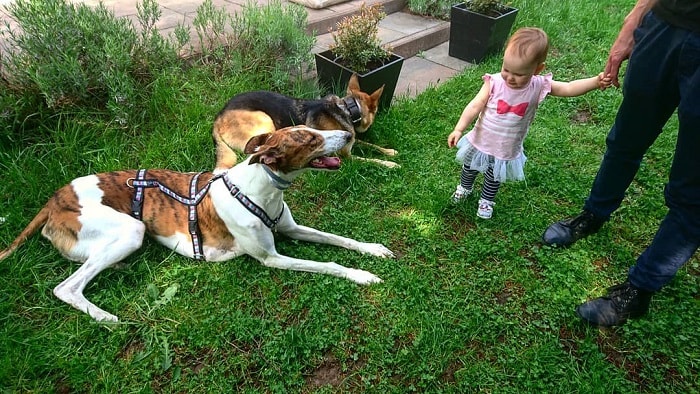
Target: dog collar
pixel 277 181
pixel 353 108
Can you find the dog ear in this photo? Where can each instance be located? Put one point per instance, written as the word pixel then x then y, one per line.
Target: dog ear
pixel 268 157
pixel 353 84
pixel 255 143
pixel 377 94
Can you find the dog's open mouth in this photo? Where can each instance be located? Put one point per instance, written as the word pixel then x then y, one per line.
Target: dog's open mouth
pixel 326 163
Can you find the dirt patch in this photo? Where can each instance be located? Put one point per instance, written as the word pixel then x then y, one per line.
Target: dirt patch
pixel 328 373
pixel 448 375
pixel 582 116
pixel 569 340
pixel 601 264
pixel 134 346
pixel 608 345
pixel 332 372
pixel 510 290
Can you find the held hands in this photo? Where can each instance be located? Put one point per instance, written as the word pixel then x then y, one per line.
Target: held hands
pixel 604 81
pixel 453 138
pixel 622 47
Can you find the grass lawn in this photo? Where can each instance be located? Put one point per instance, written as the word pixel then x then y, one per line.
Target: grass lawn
pixel 468 305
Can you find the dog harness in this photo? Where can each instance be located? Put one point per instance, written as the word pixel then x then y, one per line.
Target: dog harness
pixel 140 183
pixel 251 206
pixel 353 108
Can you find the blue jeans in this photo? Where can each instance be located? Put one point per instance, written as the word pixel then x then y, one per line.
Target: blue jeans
pixel 663 75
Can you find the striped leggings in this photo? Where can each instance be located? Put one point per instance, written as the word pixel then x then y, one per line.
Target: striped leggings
pixel 488 192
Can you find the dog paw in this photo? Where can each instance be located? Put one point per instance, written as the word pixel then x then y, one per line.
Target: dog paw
pixel 390 152
pixel 390 164
pixel 378 250
pixel 362 277
pixel 104 317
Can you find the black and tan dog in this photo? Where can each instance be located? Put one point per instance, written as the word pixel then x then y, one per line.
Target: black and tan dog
pixel 259 112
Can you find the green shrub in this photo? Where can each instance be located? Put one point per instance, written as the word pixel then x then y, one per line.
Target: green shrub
pixel 268 41
pixel 441 8
pixel 210 25
pixel 76 56
pixel 272 41
pixel 356 39
pixel 65 57
pixel 487 7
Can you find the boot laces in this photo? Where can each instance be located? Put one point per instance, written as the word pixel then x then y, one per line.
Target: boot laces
pixel 581 221
pixel 622 295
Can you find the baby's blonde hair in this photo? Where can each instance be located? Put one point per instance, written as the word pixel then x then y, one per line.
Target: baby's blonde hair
pixel 529 43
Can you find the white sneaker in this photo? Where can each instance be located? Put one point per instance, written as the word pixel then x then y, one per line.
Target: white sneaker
pixel 485 210
pixel 460 194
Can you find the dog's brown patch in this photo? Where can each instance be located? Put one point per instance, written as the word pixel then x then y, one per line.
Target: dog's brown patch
pixel 286 150
pixel 62 225
pixel 162 214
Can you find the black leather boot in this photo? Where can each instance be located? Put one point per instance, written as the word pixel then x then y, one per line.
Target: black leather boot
pixel 622 302
pixel 566 232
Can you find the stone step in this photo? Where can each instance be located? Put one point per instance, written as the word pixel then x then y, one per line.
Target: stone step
pixel 322 20
pixel 406 33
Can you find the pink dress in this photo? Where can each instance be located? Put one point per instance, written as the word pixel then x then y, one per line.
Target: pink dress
pixel 497 137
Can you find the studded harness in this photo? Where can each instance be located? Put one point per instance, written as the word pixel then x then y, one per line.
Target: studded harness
pixel 140 183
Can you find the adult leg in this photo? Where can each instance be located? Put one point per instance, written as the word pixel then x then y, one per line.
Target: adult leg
pixel 678 236
pixel 651 94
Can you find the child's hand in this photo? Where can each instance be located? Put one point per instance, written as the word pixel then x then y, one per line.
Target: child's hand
pixel 453 138
pixel 604 81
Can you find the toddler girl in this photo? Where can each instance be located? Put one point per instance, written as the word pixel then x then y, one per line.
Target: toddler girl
pixel 505 106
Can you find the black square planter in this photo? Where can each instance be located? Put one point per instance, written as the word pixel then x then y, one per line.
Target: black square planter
pixel 334 77
pixel 474 36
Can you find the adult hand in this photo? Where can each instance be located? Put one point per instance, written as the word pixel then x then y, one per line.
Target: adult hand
pixel 622 47
pixel 619 52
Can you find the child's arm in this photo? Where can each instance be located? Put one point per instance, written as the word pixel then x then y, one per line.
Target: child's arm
pixel 471 111
pixel 580 86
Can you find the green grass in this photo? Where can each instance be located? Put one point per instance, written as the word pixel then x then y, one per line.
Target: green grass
pixel 468 305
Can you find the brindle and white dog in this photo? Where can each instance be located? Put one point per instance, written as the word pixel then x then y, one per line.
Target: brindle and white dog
pixel 101 219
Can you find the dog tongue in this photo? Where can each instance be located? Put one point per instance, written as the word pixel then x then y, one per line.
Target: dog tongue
pixel 326 162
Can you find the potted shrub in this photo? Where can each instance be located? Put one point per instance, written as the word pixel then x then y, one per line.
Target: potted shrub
pixel 479 28
pixel 357 49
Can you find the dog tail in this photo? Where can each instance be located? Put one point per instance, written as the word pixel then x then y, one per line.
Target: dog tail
pixel 33 226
